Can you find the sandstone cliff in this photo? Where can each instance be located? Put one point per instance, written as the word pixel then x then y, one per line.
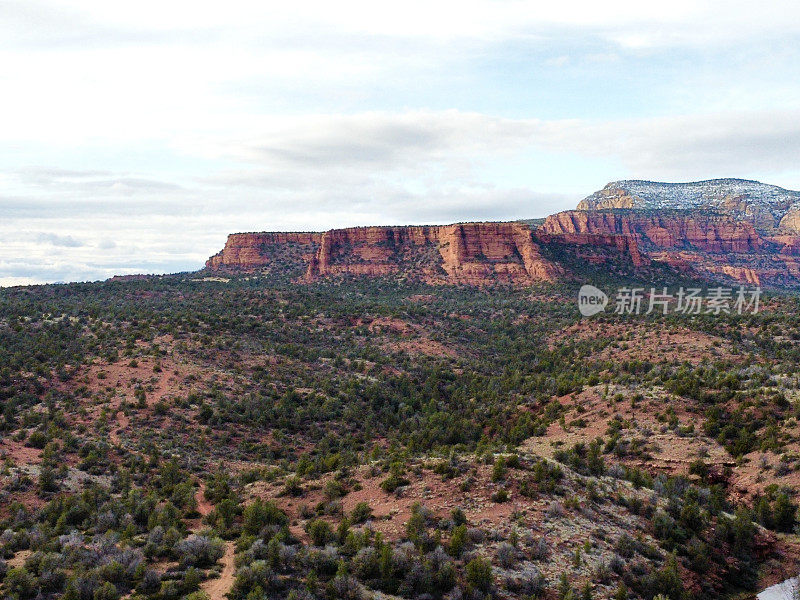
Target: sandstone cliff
pixel 719 229
pixel 621 246
pixel 675 229
pixel 714 246
pixel 467 253
pixel 249 251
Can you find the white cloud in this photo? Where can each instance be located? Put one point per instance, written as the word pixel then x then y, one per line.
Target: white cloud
pixel 632 22
pixel 88 70
pixel 688 146
pixel 54 239
pixel 308 149
pixel 14 281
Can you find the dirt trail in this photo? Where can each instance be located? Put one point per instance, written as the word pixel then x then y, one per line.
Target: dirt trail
pixel 204 507
pixel 123 421
pixel 218 588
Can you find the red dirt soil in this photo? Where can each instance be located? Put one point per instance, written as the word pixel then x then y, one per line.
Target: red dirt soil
pixel 217 589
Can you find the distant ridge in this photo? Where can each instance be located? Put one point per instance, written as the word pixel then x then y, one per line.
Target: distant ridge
pixel 770 208
pixel 732 230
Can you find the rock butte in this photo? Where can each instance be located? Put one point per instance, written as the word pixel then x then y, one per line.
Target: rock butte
pixel 726 237
pixel 465 253
pixel 715 246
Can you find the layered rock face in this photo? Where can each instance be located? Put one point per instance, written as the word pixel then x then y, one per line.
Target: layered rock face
pixel 250 251
pixel 714 246
pixel 719 229
pixel 716 234
pixel 611 246
pixel 467 253
pixel 728 229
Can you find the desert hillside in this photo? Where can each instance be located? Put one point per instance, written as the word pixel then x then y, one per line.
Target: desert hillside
pixel 246 436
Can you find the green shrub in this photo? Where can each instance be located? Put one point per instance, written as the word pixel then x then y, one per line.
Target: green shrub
pixel 360 513
pixel 20 583
pixel 106 591
pixel 394 481
pixel 458 541
pixel 479 574
pixel 320 531
pixel 261 514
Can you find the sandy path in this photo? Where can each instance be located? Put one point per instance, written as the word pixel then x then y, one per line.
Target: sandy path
pixel 204 507
pixel 218 588
pixel 123 421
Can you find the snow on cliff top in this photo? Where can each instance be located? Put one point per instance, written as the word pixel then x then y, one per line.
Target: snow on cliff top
pixel 771 209
pixel 714 193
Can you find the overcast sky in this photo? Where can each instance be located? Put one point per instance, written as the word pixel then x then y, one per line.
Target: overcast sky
pixel 135 136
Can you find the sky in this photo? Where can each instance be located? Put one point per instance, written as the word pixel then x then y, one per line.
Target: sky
pixel 135 136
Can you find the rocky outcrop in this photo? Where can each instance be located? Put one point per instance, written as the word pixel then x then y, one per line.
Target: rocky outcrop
pixel 250 251
pixel 719 229
pixel 464 253
pixel 675 229
pixel 710 245
pixel 768 208
pixel 621 245
pixel 790 222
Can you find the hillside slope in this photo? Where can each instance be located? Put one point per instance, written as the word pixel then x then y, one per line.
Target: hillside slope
pixel 400 440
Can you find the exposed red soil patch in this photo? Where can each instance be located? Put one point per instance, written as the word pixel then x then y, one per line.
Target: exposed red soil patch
pixel 123 422
pixel 18 559
pixel 19 452
pixel 423 346
pixel 421 298
pixel 392 325
pixel 666 449
pixel 219 587
pixel 648 342
pixel 759 470
pixel 391 511
pixel 204 507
